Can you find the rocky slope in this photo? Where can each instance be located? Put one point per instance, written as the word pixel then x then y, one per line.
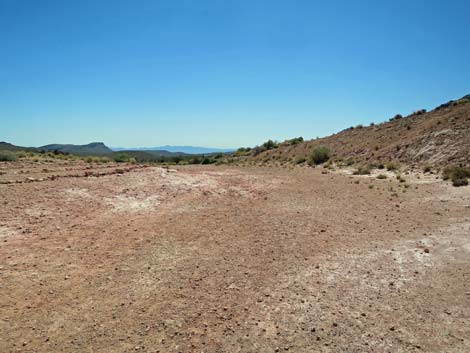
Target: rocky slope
pixel 436 138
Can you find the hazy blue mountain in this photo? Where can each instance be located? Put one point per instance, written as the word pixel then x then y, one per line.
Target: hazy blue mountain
pixel 180 149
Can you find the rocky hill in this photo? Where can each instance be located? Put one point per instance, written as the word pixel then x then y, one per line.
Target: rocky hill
pixel 437 138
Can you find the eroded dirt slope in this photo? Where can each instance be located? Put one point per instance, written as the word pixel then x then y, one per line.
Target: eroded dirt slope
pixel 218 259
pixel 437 139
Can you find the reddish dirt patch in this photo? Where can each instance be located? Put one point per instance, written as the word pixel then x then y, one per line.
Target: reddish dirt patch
pixel 217 259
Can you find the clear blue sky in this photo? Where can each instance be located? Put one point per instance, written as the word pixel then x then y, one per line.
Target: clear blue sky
pixel 222 73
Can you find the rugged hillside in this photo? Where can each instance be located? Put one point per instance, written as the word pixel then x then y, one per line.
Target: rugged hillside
pixel 437 138
pixel 91 149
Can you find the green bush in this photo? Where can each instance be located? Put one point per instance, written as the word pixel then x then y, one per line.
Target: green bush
pixel 104 160
pixel 381 176
pixel 295 141
pixel 362 170
pixel 396 117
pixel 392 166
pixel 319 155
pixel 195 160
pixel 300 160
pixel 242 151
pixel 121 158
pixel 419 112
pixel 458 175
pixel 206 160
pixel 269 145
pixel 7 156
pixel 400 178
pixel 460 182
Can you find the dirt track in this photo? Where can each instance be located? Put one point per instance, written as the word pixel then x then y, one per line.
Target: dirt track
pixel 218 259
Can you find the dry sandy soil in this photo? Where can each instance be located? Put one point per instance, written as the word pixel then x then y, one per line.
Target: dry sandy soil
pixel 227 259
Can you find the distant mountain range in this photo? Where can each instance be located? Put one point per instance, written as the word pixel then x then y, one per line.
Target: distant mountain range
pixel 94 148
pixel 145 154
pixel 177 149
pixel 5 146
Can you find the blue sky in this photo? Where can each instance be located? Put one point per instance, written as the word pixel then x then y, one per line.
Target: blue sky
pixel 222 73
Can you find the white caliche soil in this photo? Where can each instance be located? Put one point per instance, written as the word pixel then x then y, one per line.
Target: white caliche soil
pixel 218 259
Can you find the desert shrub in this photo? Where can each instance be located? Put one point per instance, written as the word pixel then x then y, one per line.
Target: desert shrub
pixel 396 117
pixel 257 150
pixel 269 145
pixel 455 172
pixel 381 176
pixel 207 160
pixel 460 182
pixel 400 178
pixel 427 169
pixel 295 141
pixel 121 157
pixel 391 166
pixel 7 156
pixel 458 175
pixel 319 155
pixel 104 160
pixel 362 170
pixel 300 160
pixel 419 112
pixel 175 159
pixel 195 160
pixel 242 151
pixel 360 126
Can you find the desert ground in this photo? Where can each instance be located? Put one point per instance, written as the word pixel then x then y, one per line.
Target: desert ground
pixel 109 258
